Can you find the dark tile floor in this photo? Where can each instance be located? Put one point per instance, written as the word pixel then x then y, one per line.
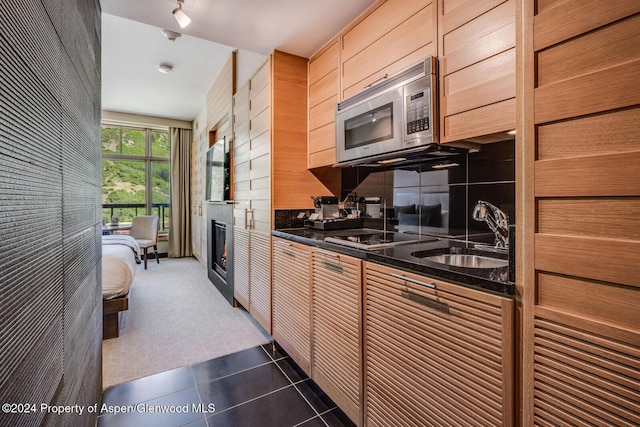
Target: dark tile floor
pixel 261 386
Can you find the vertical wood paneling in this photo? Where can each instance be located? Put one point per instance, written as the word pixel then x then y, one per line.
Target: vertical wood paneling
pixel 579 323
pixel 260 279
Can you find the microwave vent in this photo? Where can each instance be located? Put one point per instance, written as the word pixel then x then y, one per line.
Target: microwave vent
pixel 417 71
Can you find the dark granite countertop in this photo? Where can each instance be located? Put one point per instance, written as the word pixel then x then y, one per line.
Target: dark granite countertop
pixel 494 280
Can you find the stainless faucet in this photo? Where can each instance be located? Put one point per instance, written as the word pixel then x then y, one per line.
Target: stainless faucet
pixel 497 221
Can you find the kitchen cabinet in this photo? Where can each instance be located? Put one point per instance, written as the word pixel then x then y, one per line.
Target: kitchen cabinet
pixel 476 50
pixel 270 171
pixel 291 307
pixel 336 357
pixel 580 279
pixel 324 86
pixel 435 353
pixel 394 35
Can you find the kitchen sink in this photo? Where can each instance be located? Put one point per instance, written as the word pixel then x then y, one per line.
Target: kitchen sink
pixel 463 257
pixel 468 261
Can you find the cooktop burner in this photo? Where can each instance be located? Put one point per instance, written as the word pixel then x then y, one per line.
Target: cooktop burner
pixel 377 239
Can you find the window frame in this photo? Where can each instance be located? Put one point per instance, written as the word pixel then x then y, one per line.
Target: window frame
pixel 147 158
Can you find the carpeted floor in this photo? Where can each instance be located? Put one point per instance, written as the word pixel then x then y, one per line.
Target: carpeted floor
pixel 176 317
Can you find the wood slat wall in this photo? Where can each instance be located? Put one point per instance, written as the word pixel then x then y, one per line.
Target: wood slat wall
pixel 50 238
pixel 581 332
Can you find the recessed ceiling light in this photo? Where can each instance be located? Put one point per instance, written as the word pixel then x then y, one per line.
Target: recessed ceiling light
pixel 511 132
pixel 171 35
pixel 395 160
pixel 165 68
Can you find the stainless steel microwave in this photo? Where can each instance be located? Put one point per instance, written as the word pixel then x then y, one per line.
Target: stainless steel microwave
pixel 395 116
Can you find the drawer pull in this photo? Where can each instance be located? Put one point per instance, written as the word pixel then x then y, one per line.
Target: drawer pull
pixel 288 253
pixel 327 254
pixel 378 80
pixel 417 282
pixel 419 299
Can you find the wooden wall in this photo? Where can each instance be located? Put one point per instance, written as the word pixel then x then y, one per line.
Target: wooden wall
pixel 219 122
pixel 579 136
pixel 50 227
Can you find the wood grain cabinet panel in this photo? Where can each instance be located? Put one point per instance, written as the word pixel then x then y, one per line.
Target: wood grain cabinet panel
pixel 476 43
pixel 270 171
pixel 336 360
pixel 582 289
pixel 291 300
pixel 324 87
pixel 436 353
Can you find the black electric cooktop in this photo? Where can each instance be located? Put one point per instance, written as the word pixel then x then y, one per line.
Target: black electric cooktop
pixel 377 239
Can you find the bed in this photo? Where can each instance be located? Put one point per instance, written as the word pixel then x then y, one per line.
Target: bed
pixel 120 254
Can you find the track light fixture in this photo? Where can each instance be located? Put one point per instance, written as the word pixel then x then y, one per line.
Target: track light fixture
pixel 181 17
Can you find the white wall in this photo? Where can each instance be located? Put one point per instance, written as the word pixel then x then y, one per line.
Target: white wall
pixel 247 64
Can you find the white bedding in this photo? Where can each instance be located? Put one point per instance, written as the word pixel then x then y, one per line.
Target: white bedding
pixel 118 266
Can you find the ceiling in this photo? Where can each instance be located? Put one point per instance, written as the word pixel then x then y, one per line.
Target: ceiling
pixel 133 46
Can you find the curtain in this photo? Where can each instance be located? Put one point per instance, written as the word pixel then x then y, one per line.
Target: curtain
pixel 180 230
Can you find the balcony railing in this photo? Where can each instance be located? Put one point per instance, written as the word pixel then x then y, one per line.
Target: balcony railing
pixel 126 212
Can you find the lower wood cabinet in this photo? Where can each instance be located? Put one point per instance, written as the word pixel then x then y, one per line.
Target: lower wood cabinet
pixel 336 352
pixel 291 300
pixel 436 353
pixel 252 273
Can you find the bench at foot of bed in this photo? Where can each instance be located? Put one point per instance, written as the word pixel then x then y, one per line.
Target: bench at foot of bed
pixel 111 309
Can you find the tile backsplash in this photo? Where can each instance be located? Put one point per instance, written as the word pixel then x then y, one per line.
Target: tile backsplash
pixel 437 196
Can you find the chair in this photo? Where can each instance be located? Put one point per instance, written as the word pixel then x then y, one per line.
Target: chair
pixel 145 230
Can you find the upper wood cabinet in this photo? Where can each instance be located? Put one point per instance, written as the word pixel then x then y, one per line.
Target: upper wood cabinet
pixel 477 57
pixel 389 37
pixel 475 45
pixel 394 35
pixel 324 86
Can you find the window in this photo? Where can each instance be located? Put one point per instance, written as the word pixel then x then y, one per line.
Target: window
pixel 136 174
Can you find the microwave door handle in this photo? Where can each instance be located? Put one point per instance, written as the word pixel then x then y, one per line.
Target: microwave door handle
pixel 376 81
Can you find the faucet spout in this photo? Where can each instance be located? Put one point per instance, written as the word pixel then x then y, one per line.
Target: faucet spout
pixel 496 219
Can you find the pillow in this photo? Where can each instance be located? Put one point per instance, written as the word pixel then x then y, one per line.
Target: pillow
pixel 412 219
pixel 408 209
pixel 434 214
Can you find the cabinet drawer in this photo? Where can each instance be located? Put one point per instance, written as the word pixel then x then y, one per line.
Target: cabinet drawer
pixel 451 361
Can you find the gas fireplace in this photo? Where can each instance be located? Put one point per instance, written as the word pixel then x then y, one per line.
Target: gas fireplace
pixel 220 248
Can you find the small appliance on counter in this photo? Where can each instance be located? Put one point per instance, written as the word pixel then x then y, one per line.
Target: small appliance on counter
pixel 326 207
pixel 327 215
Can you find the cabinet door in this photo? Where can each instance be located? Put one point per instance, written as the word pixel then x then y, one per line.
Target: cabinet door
pixel 394 36
pixel 291 299
pixel 260 278
pixel 324 86
pixel 436 353
pixel 241 286
pixel 336 363
pixel 477 69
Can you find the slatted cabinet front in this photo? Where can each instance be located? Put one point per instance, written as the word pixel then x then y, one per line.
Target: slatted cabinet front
pixel 435 356
pixel 336 362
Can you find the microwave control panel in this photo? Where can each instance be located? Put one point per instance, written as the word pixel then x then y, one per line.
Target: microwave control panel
pixel 418 111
